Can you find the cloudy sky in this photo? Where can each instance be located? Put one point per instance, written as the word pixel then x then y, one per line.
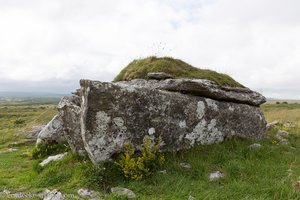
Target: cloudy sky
pixel 48 45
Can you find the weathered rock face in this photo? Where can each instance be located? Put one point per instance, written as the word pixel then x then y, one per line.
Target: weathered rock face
pixel 53 131
pixel 117 113
pixel 204 88
pixel 102 117
pixel 69 110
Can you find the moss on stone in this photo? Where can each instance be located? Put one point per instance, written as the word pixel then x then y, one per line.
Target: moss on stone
pixel 138 69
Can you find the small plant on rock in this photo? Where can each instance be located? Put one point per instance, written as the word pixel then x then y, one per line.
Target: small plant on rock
pixel 138 166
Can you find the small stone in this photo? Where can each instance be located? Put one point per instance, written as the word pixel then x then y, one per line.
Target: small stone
pixel 159 75
pixel 296 184
pixel 191 197
pixel 123 192
pixel 279 135
pixel 53 195
pixel 255 146
pixel 215 175
pixel 272 124
pixel 52 158
pixel 163 171
pixel 282 133
pixel 185 165
pixel 11 150
pixel 18 134
pixel 6 192
pixel 289 125
pixel 84 192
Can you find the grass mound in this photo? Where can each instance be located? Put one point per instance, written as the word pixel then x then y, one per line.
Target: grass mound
pixel 179 69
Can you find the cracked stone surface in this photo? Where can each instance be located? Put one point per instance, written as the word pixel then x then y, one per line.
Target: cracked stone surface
pixel 103 116
pixel 70 111
pixel 117 113
pixel 203 88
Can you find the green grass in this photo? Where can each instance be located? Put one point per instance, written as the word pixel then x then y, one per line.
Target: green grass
pixel 179 69
pixel 266 173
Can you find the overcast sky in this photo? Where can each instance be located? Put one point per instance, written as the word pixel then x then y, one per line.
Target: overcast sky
pixel 48 45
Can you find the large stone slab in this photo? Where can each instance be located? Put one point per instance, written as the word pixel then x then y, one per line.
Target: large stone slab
pixel 203 88
pixel 113 114
pixel 69 112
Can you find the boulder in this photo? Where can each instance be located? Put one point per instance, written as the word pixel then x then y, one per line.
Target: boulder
pixel 113 114
pixel 53 131
pixel 203 88
pixel 69 112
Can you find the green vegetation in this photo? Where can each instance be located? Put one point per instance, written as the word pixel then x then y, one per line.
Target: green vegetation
pixel 45 149
pixel 179 69
pixel 270 172
pixel 137 167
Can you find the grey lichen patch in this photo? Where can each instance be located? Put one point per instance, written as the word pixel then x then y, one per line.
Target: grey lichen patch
pixel 182 124
pixel 197 132
pixel 212 103
pixel 214 135
pixel 118 121
pixel 204 133
pixel 126 87
pixel 151 131
pixel 103 145
pixel 200 109
pixel 102 120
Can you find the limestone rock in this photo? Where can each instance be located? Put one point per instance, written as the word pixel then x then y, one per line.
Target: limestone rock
pixel 52 158
pixel 272 124
pixel 255 146
pixel 123 192
pixel 280 136
pixel 33 135
pixel 216 175
pixel 86 193
pixel 53 195
pixel 185 165
pixel 203 88
pixel 69 111
pixel 113 114
pixel 53 131
pixel 159 75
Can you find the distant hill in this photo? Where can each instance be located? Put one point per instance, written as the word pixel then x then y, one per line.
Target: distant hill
pixel 29 98
pixel 273 100
pixel 30 94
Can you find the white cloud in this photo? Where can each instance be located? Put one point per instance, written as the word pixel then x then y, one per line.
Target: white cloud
pixel 61 41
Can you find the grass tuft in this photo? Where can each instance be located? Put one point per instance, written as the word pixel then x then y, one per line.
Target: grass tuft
pixel 179 69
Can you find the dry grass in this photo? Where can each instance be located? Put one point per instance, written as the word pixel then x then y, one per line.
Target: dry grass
pixel 288 112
